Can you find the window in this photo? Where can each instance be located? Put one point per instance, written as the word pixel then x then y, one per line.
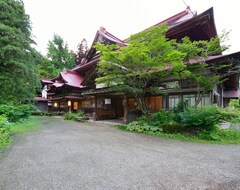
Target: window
pixel 87 104
pixel 173 101
pixel 75 105
pixel 190 98
pixel 62 105
pixel 205 100
pixel 188 83
pixel 173 85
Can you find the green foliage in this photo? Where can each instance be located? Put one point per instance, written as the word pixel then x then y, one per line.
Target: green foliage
pixel 130 66
pixel 41 113
pixel 199 124
pixel 231 136
pixel 29 125
pixel 137 68
pixel 162 117
pixel 225 136
pixel 205 117
pixel 59 57
pixel 17 113
pixel 142 127
pixel 234 103
pixel 81 51
pixel 72 116
pixel 182 106
pixel 172 128
pixel 5 132
pixel 18 71
pixel 212 135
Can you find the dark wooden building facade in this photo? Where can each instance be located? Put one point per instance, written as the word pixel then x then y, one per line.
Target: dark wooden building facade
pixel 75 89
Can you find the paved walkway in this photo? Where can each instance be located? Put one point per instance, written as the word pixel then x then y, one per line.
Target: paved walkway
pixel 69 155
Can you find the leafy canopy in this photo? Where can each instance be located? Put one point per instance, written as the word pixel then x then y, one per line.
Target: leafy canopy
pixel 18 73
pixel 148 60
pixel 59 58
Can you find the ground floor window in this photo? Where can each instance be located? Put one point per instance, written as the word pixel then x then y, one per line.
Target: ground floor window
pixel 206 100
pixel 173 101
pixel 87 104
pixel 191 99
pixel 62 105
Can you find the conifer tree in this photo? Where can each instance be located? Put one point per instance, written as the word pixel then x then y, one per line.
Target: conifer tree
pixel 18 72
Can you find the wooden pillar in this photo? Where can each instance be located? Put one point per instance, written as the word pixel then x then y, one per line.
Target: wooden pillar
pixel 125 106
pixel 95 109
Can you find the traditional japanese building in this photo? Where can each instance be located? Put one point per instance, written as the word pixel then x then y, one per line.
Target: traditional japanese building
pixel 75 89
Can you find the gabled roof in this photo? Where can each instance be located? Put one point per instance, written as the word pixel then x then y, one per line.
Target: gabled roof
pixel 178 18
pixel 108 37
pixel 199 27
pixel 46 81
pixel 86 66
pixel 72 78
pixel 67 77
pixel 188 23
pixel 40 99
pixel 215 58
pixel 58 84
pixel 103 36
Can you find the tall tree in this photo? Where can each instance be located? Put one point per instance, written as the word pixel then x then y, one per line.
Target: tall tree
pixel 206 75
pixel 134 66
pixel 18 73
pixel 81 51
pixel 59 54
pixel 148 60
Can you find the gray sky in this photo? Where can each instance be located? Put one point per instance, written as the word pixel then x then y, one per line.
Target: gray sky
pixel 77 19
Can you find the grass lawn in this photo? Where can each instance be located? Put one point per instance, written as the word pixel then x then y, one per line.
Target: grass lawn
pixel 222 137
pixel 29 125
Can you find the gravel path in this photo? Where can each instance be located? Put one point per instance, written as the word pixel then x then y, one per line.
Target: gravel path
pixel 69 155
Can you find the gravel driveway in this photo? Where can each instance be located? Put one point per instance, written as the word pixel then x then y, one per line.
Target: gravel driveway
pixel 69 155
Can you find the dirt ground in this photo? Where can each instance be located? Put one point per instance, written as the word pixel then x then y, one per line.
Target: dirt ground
pixel 70 155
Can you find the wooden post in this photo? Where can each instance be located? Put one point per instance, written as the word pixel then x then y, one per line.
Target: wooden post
pixel 95 109
pixel 125 106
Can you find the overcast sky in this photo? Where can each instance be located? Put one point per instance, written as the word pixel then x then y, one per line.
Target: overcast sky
pixel 77 19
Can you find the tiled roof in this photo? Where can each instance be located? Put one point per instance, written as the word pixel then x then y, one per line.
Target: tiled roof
pixel 178 18
pixel 72 78
pixel 38 98
pixel 58 84
pixel 45 80
pixel 97 91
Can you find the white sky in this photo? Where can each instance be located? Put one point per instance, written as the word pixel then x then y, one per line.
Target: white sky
pixel 77 19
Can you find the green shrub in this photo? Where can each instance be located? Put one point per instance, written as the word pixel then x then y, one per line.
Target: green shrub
pixel 181 107
pixel 142 127
pixel 234 103
pixel 172 128
pixel 212 135
pixel 224 135
pixel 16 113
pixel 162 117
pixel 72 116
pixel 41 113
pixel 229 135
pixel 205 117
pixel 5 132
